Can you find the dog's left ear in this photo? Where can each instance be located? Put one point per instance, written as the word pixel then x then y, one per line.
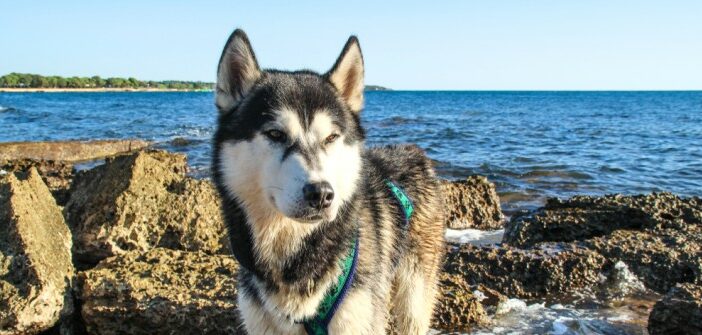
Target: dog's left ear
pixel 347 74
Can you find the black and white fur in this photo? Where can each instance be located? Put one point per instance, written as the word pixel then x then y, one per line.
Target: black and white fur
pixel 280 132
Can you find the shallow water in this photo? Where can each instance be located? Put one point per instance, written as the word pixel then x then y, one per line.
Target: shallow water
pixel 474 236
pixel 532 144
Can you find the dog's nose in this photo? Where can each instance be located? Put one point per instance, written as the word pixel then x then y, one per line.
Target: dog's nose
pixel 318 195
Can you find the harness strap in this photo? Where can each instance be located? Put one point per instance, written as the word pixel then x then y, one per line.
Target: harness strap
pixel 327 308
pixel 402 199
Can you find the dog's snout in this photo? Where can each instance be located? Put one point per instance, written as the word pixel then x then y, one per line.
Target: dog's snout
pixel 318 195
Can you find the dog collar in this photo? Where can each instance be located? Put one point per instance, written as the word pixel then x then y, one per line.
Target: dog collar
pixel 402 199
pixel 327 308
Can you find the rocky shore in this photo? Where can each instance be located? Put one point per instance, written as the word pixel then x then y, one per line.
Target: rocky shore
pixel 135 246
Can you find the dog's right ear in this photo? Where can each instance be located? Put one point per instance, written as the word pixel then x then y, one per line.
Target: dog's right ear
pixel 237 71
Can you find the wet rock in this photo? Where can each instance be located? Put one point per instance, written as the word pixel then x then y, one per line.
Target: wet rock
pixel 620 283
pixel 488 296
pixel 584 217
pixel 457 308
pixel 56 175
pixel 679 312
pixel 659 258
pixel 547 269
pixel 472 203
pixel 141 201
pixel 181 142
pixel 35 257
pixel 69 151
pixel 161 291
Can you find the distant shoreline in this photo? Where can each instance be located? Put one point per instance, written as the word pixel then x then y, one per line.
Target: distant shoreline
pixel 105 89
pixel 93 90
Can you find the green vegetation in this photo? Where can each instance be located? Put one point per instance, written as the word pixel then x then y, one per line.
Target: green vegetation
pixel 26 80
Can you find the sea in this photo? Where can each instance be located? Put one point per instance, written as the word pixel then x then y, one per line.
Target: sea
pixel 532 145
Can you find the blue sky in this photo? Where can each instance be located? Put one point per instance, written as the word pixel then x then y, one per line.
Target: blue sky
pixel 471 45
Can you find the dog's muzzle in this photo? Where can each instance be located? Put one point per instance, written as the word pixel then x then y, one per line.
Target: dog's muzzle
pixel 318 195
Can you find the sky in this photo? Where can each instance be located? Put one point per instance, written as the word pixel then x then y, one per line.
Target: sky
pixel 411 45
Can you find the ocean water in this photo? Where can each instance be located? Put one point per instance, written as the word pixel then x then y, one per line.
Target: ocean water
pixel 533 145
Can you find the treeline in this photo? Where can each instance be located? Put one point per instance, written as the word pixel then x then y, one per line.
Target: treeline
pixel 27 80
pixel 376 88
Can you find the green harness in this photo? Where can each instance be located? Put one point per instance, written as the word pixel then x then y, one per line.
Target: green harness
pixel 327 308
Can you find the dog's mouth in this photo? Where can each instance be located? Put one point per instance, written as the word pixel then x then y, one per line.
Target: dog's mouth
pixel 304 215
pixel 310 219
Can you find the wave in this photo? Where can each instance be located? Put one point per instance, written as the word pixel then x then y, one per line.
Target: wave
pixel 6 109
pixel 396 121
pixel 537 173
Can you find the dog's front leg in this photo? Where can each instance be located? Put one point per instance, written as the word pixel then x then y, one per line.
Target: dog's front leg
pixel 258 321
pixel 358 314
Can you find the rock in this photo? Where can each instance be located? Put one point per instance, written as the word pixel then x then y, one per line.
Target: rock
pixel 585 217
pixel 658 236
pixel 679 312
pixel 660 259
pixel 68 151
pixel 35 257
pixel 161 291
pixel 181 142
pixel 472 203
pixel 141 201
pixel 56 175
pixel 488 296
pixel 620 283
pixel 457 308
pixel 547 269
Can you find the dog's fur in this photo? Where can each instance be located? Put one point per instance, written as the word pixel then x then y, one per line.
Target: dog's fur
pixel 289 251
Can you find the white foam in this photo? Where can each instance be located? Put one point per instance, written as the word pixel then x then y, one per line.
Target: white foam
pixel 474 236
pixel 479 295
pixel 510 305
pixel 619 318
pixel 624 281
pixel 515 316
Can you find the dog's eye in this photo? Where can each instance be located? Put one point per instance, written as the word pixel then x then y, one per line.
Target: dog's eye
pixel 331 138
pixel 276 135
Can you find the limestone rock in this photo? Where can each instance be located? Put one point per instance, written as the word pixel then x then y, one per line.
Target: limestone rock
pixel 584 217
pixel 161 291
pixel 35 257
pixel 68 151
pixel 141 201
pixel 658 236
pixel 489 297
pixel 679 312
pixel 56 175
pixel 472 203
pixel 547 269
pixel 660 259
pixel 457 309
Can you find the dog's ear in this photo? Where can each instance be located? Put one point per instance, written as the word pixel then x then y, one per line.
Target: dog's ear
pixel 237 71
pixel 347 74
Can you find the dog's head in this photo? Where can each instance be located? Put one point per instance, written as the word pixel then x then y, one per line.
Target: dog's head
pixel 288 143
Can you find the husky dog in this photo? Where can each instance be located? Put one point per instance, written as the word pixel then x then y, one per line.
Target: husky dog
pixel 313 214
